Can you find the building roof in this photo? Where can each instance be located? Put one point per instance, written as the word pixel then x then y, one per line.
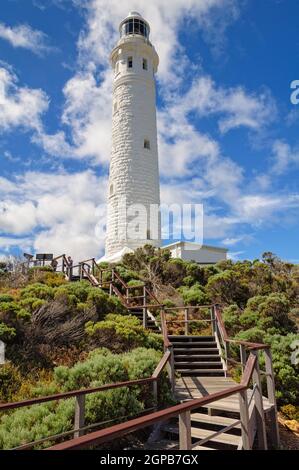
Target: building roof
pixel 197 246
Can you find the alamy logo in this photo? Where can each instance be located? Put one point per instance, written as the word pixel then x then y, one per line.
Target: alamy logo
pixel 295 93
pixel 2 352
pixel 295 353
pixel 143 222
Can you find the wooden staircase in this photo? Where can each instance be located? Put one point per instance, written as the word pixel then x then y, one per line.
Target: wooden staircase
pixel 196 356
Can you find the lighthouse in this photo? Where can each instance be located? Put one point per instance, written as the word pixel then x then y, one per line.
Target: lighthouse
pixel 133 191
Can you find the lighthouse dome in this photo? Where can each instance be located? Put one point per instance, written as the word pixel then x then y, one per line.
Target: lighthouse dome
pixel 134 24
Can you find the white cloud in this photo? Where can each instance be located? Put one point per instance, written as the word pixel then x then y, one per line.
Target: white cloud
pixel 25 37
pixel 6 243
pixel 20 106
pixel 235 106
pixel 284 157
pixel 58 211
pixel 235 256
pixel 235 240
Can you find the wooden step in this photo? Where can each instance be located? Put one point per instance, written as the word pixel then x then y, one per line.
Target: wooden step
pixel 197 357
pixel 202 448
pixel 195 344
pixel 191 351
pixel 198 365
pixel 190 339
pixel 200 372
pixel 229 440
pixel 213 420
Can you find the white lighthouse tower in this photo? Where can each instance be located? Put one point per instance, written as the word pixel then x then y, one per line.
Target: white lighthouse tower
pixel 134 190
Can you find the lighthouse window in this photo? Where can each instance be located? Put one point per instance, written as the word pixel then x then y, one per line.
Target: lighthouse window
pixel 111 190
pixel 130 62
pixel 144 64
pixel 147 144
pixel 115 107
pixel 134 26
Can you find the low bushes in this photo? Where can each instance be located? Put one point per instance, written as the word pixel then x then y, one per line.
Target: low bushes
pixel 122 333
pixel 10 381
pixel 101 367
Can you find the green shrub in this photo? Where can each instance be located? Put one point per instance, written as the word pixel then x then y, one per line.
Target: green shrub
pixel 42 269
pixel 13 310
pixel 10 381
pixel 286 373
pixel 6 298
pixel 7 333
pixel 104 303
pixel 194 295
pixel 290 411
pixel 168 303
pixel 228 287
pixel 127 331
pixel 32 303
pixel 38 290
pixel 231 317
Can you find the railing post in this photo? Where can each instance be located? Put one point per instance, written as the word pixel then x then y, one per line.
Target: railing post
pixel 80 271
pixel 271 397
pixel 244 417
pixel 186 322
pixel 93 267
pixel 144 308
pixel 63 265
pixel 243 356
pixel 213 320
pixel 111 283
pixel 79 415
pixel 259 408
pixel 226 350
pixel 155 393
pixel 172 372
pixel 185 431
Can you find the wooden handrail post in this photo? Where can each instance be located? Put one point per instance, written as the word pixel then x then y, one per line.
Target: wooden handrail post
pixel 172 372
pixel 185 430
pixel 243 356
pixel 271 397
pixel 226 350
pixel 244 417
pixel 213 320
pixel 111 283
pixel 186 322
pixel 259 408
pixel 155 393
pixel 79 415
pixel 144 308
pixel 80 271
pixel 63 265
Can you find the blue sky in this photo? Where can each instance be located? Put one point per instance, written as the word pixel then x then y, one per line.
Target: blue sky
pixel 228 132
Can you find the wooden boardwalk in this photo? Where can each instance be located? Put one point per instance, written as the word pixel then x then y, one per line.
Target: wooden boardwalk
pixel 188 388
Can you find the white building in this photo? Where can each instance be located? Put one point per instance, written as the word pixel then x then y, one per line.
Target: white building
pixel 202 254
pixel 134 170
